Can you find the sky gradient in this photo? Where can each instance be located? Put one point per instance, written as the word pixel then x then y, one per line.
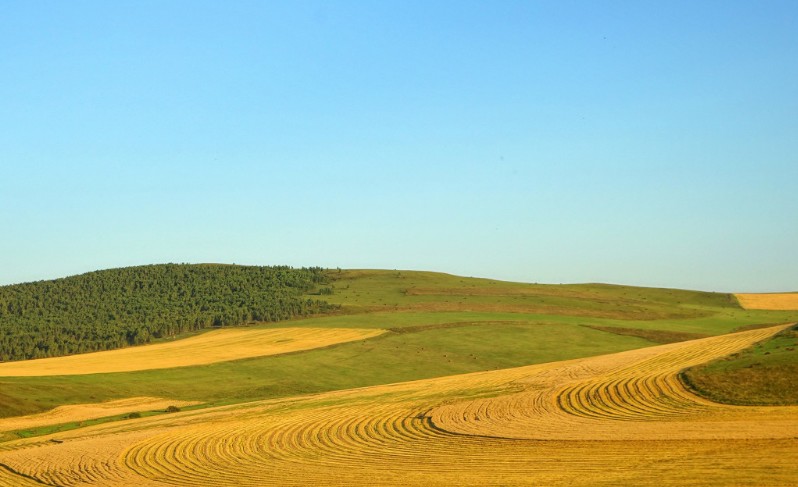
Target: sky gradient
pixel 644 143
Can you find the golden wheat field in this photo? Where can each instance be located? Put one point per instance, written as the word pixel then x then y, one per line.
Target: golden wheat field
pixel 83 412
pixel 773 301
pixel 210 347
pixel 620 419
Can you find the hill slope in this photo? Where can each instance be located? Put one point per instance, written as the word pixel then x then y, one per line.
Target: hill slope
pixel 370 291
pixel 621 419
pixel 342 414
pixel 764 374
pixel 437 324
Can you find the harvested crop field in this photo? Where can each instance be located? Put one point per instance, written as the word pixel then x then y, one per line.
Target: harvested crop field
pixel 211 347
pixel 83 412
pixel 771 301
pixel 620 419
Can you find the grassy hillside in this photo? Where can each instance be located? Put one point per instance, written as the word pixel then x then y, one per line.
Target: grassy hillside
pixel 370 291
pixel 438 325
pixel 114 308
pixel 392 357
pixel 765 374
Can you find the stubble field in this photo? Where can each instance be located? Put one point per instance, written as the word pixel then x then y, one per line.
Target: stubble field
pixel 616 418
pixel 773 301
pixel 207 348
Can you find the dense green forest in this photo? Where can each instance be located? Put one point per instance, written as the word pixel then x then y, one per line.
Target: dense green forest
pixel 115 308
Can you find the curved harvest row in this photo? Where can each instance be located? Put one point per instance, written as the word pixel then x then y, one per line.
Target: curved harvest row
pixel 629 396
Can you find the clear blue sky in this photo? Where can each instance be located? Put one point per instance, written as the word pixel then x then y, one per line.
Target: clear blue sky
pixel 649 143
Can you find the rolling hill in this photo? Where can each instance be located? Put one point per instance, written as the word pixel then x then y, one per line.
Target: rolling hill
pixel 409 370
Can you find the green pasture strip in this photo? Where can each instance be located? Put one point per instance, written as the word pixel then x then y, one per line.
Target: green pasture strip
pixel 723 322
pixel 764 374
pixel 656 336
pixel 386 288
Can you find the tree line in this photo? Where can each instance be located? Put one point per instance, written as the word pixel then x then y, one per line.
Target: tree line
pixel 114 308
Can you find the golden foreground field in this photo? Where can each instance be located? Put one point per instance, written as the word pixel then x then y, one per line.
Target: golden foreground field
pixel 774 301
pixel 207 348
pixel 620 419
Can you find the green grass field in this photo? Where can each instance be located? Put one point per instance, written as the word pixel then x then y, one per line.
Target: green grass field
pixel 441 325
pixel 765 374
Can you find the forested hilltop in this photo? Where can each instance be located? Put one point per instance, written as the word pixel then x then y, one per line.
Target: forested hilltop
pixel 114 308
